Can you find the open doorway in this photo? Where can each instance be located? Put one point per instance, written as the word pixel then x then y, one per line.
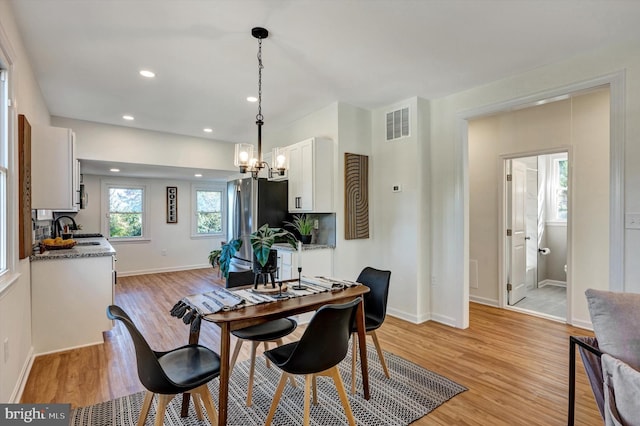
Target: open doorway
pixel 577 123
pixel 537 213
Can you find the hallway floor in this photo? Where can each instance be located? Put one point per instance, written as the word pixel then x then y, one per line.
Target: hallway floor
pixel 550 300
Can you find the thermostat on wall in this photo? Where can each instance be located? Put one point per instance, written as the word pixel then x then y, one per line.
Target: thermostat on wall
pixel 396 188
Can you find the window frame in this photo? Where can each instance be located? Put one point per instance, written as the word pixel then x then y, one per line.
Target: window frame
pixel 554 185
pixel 212 187
pixel 8 191
pixel 106 211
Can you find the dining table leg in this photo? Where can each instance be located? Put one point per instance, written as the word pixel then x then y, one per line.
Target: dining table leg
pixel 225 343
pixel 362 343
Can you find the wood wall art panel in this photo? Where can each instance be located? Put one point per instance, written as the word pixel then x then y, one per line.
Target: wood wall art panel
pixel 24 185
pixel 356 196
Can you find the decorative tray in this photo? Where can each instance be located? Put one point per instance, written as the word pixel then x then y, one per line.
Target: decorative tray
pixel 267 289
pixel 67 245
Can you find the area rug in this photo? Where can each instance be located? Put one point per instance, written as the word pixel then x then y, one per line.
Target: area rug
pixel 409 394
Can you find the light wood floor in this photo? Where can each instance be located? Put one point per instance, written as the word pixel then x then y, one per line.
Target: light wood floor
pixel 515 366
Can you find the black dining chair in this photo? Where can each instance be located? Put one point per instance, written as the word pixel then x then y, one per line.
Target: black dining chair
pixel 323 345
pixel 186 369
pixel 375 310
pixel 272 331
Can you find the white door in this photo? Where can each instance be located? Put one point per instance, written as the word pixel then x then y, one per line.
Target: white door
pixel 517 289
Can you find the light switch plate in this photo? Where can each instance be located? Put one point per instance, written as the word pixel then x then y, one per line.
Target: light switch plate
pixel 632 221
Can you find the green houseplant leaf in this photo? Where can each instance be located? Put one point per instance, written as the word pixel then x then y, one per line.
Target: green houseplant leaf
pixel 265 237
pixel 302 224
pixel 223 256
pixel 261 242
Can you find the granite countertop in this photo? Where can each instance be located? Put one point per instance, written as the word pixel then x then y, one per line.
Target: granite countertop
pixel 287 247
pixel 86 247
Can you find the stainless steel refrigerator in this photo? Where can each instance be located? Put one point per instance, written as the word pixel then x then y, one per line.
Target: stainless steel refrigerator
pixel 251 204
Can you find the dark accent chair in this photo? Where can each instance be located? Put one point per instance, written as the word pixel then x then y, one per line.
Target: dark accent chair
pixel 186 369
pixel 272 331
pixel 375 310
pixel 323 345
pixel 590 354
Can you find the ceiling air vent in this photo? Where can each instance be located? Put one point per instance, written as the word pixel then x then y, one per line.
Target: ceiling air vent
pixel 398 124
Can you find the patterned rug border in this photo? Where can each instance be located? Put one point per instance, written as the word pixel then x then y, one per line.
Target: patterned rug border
pixel 411 393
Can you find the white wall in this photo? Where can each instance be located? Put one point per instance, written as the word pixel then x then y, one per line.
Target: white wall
pixel 182 251
pixel 449 168
pixel 581 122
pixel 15 295
pixel 401 237
pixel 104 142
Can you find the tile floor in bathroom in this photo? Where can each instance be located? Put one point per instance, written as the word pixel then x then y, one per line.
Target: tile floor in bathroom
pixel 549 299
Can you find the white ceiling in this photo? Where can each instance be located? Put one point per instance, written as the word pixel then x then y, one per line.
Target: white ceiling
pixel 86 54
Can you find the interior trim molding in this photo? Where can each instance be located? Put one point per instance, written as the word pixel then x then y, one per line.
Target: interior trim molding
pixel 617 135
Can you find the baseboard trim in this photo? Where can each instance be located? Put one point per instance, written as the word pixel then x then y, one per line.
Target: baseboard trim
pixel 16 395
pixel 69 348
pixel 582 324
pixel 403 315
pixel 484 301
pixel 552 282
pixel 162 270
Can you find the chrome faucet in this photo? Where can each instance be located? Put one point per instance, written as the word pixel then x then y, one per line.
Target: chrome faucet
pixel 57 228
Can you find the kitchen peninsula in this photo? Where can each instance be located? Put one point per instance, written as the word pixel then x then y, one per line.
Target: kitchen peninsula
pixel 71 289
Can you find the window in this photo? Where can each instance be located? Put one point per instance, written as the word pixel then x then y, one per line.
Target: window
pixel 4 168
pixel 126 211
pixel 208 205
pixel 559 186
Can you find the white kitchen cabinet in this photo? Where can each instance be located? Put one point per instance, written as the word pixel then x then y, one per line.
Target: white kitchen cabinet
pixel 55 170
pixel 69 301
pixel 315 262
pixel 311 176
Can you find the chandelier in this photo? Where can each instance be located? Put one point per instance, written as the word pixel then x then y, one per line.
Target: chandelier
pixel 244 158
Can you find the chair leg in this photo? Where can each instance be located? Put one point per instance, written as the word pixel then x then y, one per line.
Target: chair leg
pixel 163 401
pixel 205 396
pixel 379 350
pixel 276 399
pixel 252 367
pixel 234 357
pixel 354 361
pixel 196 404
pixel 308 380
pixel 335 375
pixel 148 399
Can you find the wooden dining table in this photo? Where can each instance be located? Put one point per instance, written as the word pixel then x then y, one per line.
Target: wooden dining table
pixel 229 321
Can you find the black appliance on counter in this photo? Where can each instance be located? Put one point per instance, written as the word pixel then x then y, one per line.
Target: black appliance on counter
pixel 251 204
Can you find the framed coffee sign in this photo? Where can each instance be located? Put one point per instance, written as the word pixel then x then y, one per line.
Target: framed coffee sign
pixel 172 204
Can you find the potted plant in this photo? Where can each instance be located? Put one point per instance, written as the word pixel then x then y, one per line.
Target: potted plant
pixel 261 242
pixel 303 225
pixel 222 256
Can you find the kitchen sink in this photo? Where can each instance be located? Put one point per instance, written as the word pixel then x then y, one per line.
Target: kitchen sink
pixel 88 243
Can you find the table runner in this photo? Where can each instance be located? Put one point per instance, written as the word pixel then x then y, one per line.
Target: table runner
pixel 221 299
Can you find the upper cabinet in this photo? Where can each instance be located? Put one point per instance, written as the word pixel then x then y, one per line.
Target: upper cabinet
pixel 55 170
pixel 311 176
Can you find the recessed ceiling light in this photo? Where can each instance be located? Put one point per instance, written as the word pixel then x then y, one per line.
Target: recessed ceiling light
pixel 147 73
pixel 128 117
pixel 207 130
pixel 198 175
pixel 114 170
pixel 252 99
